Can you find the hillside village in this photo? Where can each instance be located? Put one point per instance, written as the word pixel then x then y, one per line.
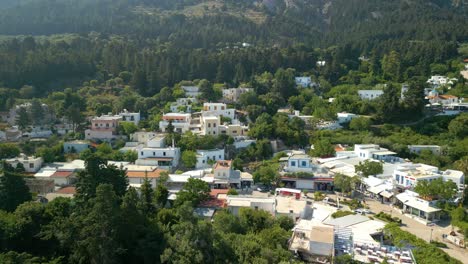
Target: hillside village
pixel 217 143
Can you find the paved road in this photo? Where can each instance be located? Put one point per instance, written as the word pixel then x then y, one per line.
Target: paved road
pixel 418 229
pixel 422 231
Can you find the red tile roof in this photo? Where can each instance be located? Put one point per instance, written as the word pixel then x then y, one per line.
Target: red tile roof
pixel 141 174
pixel 62 174
pixel 215 192
pixel 67 190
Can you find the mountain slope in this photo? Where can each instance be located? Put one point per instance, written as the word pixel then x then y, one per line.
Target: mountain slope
pixel 280 22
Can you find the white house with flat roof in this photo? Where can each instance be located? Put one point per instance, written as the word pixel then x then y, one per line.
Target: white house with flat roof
pixel 142 136
pixel 370 94
pixel 372 151
pixel 298 161
pixel 76 146
pixel 205 156
pixel 420 209
pixel 345 117
pixel 418 148
pixel 180 122
pixel 219 109
pixel 408 175
pixel 183 105
pixel 234 94
pixel 127 116
pixel 31 164
pixel 191 91
pixel 210 125
pixel 236 202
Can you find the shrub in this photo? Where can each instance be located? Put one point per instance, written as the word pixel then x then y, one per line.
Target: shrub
pixel 388 218
pixel 339 214
pixel 439 244
pixel 423 251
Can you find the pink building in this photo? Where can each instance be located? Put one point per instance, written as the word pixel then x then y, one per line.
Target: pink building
pixel 103 127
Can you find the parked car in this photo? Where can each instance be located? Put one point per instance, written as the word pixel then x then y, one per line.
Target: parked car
pixel 362 211
pixel 263 188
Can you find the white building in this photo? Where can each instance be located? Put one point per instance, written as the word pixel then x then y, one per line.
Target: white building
pixel 298 161
pixel 180 122
pixel 345 117
pixel 130 117
pixel 76 146
pixel 372 151
pixel 138 173
pixel 183 105
pixel 191 91
pixel 219 109
pixel 304 82
pixel 306 118
pixel 408 175
pixel 143 136
pixel 418 148
pixel 236 202
pixel 210 125
pixel 30 164
pixel 420 209
pixel 204 156
pixel 234 94
pixel 370 94
pixel 233 130
pixel 437 80
pixel 155 153
pixel 225 176
pixel 243 142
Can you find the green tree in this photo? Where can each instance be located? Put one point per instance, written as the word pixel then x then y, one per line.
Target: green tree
pixel 343 183
pixel 146 203
pixel 23 120
pixel 323 148
pixel 102 219
pixel 189 158
pixel 13 189
pixel 391 64
pixel 160 195
pixel 98 172
pixel 458 127
pixel 266 174
pixel 8 150
pixel 360 123
pixel 389 107
pixel 37 112
pixel 194 191
pixel 369 167
pixel 128 128
pixel 437 188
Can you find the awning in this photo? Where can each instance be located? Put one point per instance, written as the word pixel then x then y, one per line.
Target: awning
pixel 376 189
pixel 382 153
pixel 386 194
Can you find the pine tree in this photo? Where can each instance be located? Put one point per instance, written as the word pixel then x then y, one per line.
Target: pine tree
pixel 13 189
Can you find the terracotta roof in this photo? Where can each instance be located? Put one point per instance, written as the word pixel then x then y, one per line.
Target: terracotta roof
pixel 62 174
pixel 447 96
pixel 67 190
pixel 141 174
pixel 223 164
pixel 215 192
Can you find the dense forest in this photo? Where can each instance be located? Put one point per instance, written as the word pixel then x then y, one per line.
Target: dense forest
pixel 166 42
